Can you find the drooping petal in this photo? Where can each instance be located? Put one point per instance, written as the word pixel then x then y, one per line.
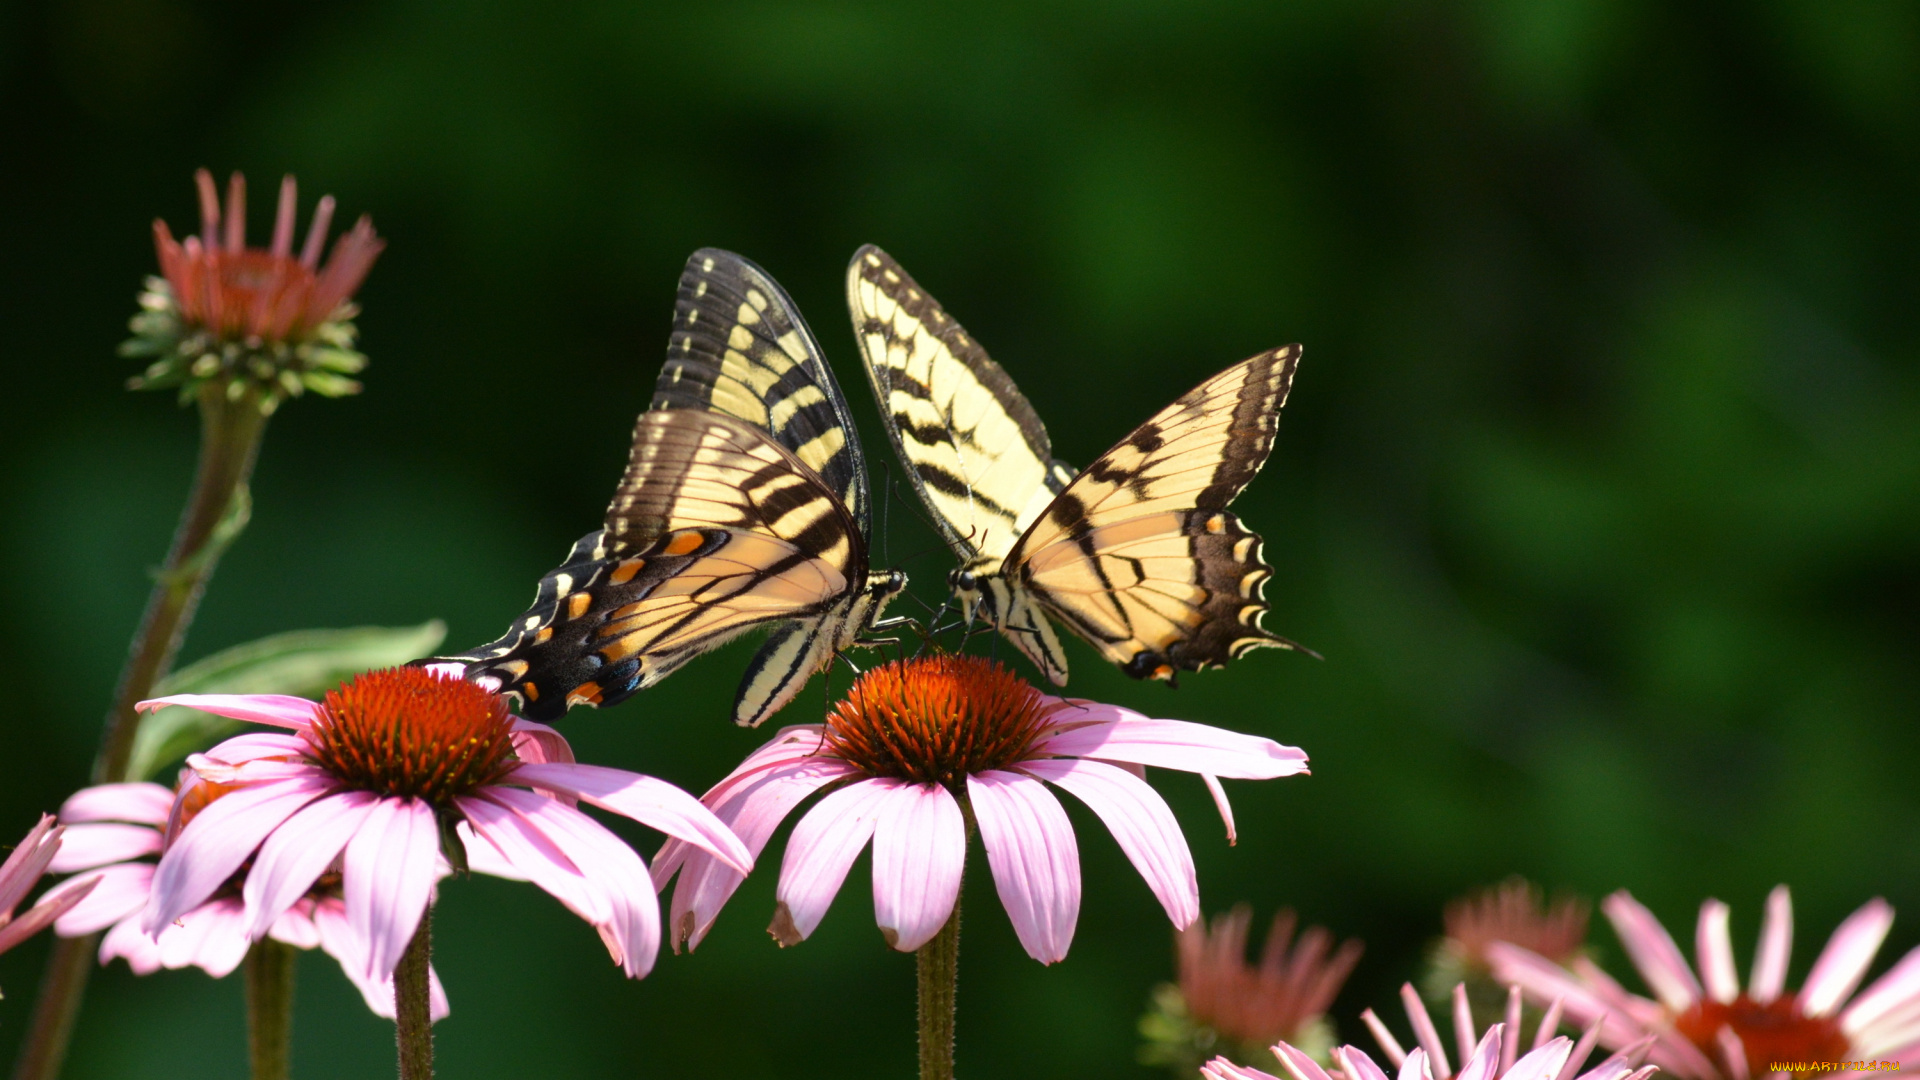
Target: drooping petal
pixel 653 803
pixel 1845 960
pixel 632 930
pixel 1776 942
pixel 218 840
pixel 1713 950
pixel 276 709
pixel 211 937
pixel 298 852
pixel 120 892
pixel 129 942
pixel 1175 744
pixel 1220 803
pixel 1142 824
pixel 84 847
pixel 338 941
pixel 919 850
pixel 296 927
pixel 1653 951
pixel 819 853
pixel 141 803
pixel 753 809
pixel 1896 991
pixel 514 840
pixel 1034 858
pixel 387 877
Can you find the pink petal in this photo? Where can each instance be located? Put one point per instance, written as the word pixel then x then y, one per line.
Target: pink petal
pixel 84 847
pixel 1416 1067
pixel 28 861
pixel 1713 950
pixel 1545 981
pixel 1424 1030
pixel 651 802
pixel 1389 1045
pixel 338 941
pixel 1353 1061
pixel 217 841
pixel 44 913
pixel 145 804
pixel 298 852
pixel 387 879
pixel 919 850
pixel 1776 942
pixel 753 809
pixel 1543 1063
pixel 1034 858
pixel 1220 803
pixel 484 858
pixel 1142 824
pixel 276 709
pixel 1845 960
pixel 819 853
pixel 1125 735
pixel 514 841
pixel 539 744
pixel 1222 1069
pixel 1485 1060
pixel 296 927
pixel 1653 951
pixel 127 941
pixel 254 771
pixel 1897 990
pixel 255 745
pixel 1297 1064
pixel 120 893
pixel 632 930
pixel 211 937
pixel 1463 1039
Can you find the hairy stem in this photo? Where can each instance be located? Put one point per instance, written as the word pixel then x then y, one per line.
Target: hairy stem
pixel 413 1006
pixel 270 1009
pixel 230 431
pixel 938 965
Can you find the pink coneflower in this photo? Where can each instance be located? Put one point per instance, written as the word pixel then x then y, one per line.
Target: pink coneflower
pixel 1223 1001
pixel 1515 911
pixel 266 315
pixel 371 783
pixel 1705 1027
pixel 911 745
pixel 113 833
pixel 1492 1055
pixel 34 855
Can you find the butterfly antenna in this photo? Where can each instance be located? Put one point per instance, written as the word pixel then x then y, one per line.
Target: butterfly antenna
pixel 886 506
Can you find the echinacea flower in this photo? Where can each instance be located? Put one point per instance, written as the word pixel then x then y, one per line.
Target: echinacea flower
pixel 370 784
pixel 1515 911
pixel 114 831
pixel 260 319
pixel 1222 1001
pixel 915 741
pixel 1706 1027
pixel 1493 1055
pixel 31 857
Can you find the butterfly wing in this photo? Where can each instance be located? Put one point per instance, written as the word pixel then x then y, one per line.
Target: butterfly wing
pixel 715 529
pixel 740 347
pixel 975 449
pixel 1139 554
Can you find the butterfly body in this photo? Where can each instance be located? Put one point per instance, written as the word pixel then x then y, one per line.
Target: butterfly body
pixel 1137 554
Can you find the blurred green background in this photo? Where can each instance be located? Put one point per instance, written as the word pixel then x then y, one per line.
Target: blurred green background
pixel 1598 488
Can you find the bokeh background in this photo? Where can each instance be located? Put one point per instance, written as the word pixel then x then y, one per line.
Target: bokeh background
pixel 1598 488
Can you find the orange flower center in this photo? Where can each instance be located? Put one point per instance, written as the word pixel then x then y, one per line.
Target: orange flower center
pixel 1776 1032
pixel 410 732
pixel 936 719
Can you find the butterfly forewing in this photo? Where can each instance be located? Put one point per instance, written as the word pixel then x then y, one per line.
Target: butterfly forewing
pixel 976 450
pixel 740 347
pixel 1139 554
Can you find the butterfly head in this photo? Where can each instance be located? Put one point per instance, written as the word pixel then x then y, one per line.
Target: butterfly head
pixel 978 587
pixel 885 585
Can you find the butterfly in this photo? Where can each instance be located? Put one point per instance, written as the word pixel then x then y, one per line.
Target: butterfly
pixel 744 504
pixel 1137 553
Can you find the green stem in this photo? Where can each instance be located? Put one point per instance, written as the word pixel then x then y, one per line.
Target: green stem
pixel 230 433
pixel 270 1009
pixel 937 964
pixel 413 1006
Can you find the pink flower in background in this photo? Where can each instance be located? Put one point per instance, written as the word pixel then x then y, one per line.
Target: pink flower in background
pixel 1492 1055
pixel 370 781
pixel 31 857
pixel 113 833
pixel 911 740
pixel 1705 1027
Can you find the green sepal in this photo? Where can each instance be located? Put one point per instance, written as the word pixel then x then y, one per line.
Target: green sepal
pixel 302 663
pixel 450 843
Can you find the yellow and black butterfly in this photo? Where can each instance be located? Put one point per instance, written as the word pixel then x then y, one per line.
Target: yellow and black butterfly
pixel 744 504
pixel 1137 554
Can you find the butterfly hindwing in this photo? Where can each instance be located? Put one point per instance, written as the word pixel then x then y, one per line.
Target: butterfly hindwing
pixel 1139 554
pixel 976 450
pixel 739 346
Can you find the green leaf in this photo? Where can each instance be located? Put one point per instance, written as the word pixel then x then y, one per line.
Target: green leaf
pixel 303 663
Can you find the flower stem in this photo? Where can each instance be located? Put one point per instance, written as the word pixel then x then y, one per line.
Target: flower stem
pixel 412 1005
pixel 270 1009
pixel 216 510
pixel 938 965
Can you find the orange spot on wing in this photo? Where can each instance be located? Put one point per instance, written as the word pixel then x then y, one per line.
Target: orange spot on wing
pixel 625 571
pixel 684 543
pixel 531 690
pixel 1164 671
pixel 541 638
pixel 577 604
pixel 587 693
